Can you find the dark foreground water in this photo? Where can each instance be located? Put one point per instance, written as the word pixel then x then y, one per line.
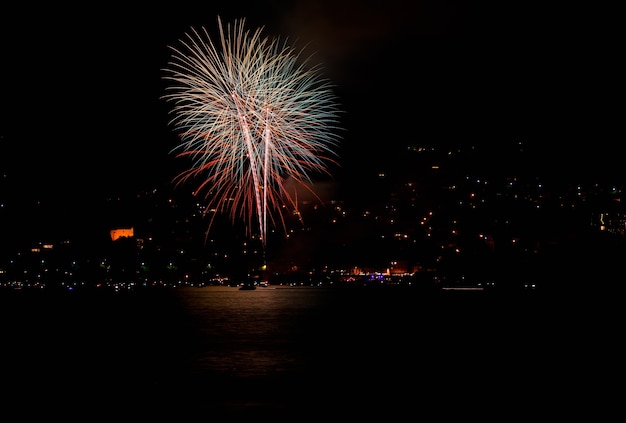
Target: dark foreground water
pixel 305 353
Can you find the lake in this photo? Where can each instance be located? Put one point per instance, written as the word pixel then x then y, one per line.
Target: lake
pixel 303 352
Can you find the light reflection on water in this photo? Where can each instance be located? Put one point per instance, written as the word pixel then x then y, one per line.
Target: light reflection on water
pixel 252 333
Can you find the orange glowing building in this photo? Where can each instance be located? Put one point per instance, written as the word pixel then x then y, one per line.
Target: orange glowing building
pixel 121 233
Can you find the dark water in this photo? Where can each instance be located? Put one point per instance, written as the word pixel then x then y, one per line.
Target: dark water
pixel 298 353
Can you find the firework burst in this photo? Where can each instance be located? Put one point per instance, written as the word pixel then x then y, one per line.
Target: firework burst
pixel 249 115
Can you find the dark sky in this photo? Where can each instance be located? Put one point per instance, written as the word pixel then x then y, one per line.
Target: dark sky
pixel 80 87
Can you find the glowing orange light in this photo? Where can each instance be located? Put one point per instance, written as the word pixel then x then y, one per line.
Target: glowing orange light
pixel 121 233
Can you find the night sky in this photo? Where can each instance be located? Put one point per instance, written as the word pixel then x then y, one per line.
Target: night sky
pixel 80 88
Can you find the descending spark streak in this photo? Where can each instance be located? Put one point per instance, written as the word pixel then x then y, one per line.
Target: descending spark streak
pixel 253 165
pixel 249 117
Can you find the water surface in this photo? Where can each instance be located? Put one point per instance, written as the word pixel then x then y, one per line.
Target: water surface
pixel 188 351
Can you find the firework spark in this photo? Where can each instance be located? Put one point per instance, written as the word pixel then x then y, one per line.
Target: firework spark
pixel 250 115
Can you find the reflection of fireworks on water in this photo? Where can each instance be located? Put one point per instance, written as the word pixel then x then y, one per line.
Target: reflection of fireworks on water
pixel 249 117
